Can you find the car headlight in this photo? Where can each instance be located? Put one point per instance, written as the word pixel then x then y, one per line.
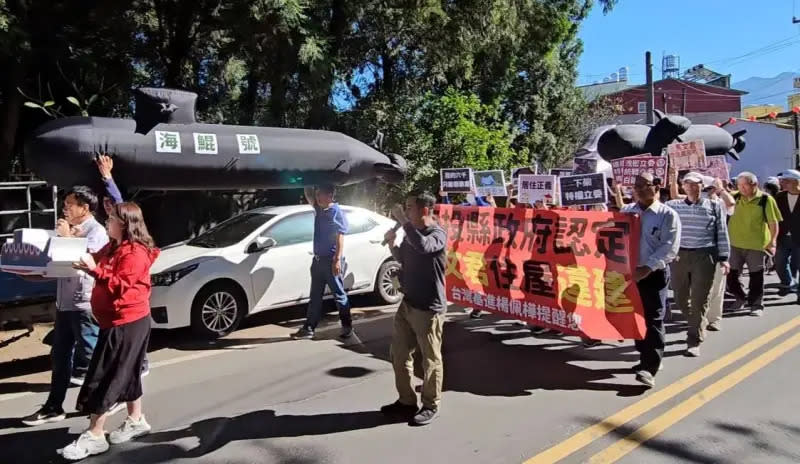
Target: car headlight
pixel 167 278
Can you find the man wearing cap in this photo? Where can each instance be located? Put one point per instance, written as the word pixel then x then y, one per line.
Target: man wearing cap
pixel 703 247
pixel 659 241
pixel 787 257
pixel 753 231
pixel 772 186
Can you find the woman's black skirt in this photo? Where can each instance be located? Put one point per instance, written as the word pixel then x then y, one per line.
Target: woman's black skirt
pixel 115 371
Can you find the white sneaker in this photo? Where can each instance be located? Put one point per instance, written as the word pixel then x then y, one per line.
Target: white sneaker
pixel 76 381
pixel 86 445
pixel 129 430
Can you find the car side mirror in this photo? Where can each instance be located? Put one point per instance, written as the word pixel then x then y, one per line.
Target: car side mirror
pixel 261 244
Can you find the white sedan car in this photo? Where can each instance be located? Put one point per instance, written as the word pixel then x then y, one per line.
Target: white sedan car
pixel 261 260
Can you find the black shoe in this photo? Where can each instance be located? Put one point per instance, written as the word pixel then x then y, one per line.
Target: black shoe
pixel 399 409
pixel 536 330
pixel 303 334
pixel 475 314
pixel 45 415
pixel 347 332
pixel 425 416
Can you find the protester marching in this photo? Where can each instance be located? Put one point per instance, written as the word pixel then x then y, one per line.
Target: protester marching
pixel 572 253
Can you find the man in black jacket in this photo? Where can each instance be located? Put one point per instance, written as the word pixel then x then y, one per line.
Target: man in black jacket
pixel 787 256
pixel 419 321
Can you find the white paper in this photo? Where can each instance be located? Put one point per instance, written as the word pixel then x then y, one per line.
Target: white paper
pixel 66 249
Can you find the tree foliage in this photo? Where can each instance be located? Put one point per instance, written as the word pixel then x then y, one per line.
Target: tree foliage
pixel 484 83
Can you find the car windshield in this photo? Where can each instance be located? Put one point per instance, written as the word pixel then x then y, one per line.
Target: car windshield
pixel 230 232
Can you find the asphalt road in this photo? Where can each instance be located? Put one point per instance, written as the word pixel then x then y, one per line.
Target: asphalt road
pixel 257 397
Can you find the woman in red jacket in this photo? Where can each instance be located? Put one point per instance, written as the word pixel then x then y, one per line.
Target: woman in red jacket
pixel 121 305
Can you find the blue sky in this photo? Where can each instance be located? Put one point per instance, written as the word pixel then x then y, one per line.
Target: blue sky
pixel 712 32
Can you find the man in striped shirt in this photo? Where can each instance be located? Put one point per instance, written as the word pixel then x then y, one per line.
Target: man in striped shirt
pixel 704 246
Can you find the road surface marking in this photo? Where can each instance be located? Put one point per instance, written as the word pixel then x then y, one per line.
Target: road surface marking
pixel 624 446
pixel 620 418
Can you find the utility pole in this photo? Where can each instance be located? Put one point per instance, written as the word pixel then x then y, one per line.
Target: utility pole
pixel 796 140
pixel 683 104
pixel 648 66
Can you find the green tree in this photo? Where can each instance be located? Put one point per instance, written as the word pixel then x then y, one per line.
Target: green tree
pixel 486 83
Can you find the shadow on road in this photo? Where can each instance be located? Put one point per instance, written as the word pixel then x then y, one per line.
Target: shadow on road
pixel 680 451
pixel 18 387
pixel 350 372
pixel 489 357
pixel 204 437
pixel 215 433
pixel 757 441
pixel 35 445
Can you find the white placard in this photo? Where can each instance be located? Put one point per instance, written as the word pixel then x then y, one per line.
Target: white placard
pixel 248 144
pixel 168 142
pixel 205 144
pixel 533 188
pixel 490 183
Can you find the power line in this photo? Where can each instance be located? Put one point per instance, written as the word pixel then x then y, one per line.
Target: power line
pixel 774 95
pixel 769 48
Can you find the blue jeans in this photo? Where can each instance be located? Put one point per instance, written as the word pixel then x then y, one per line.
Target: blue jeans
pixel 74 339
pixel 787 260
pixel 322 276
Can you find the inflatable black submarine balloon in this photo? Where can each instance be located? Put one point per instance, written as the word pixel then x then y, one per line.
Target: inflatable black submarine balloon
pixel 636 139
pixel 164 148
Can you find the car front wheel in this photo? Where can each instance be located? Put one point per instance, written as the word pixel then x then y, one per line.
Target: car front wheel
pixel 218 309
pixel 385 289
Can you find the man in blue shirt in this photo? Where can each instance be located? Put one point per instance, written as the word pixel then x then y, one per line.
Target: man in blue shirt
pixel 327 269
pixel 659 240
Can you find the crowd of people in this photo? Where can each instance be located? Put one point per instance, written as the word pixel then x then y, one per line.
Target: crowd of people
pixel 696 238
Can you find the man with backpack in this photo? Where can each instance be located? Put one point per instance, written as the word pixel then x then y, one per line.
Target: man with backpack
pixel 753 230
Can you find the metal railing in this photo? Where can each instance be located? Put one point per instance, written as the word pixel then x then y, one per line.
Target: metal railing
pixel 29 212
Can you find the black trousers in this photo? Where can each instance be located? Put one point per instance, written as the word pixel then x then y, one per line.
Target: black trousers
pixel 651 348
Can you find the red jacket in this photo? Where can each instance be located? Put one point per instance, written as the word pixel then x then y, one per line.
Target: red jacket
pixel 121 291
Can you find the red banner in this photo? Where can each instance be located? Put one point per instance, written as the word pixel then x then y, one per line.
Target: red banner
pixel 566 270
